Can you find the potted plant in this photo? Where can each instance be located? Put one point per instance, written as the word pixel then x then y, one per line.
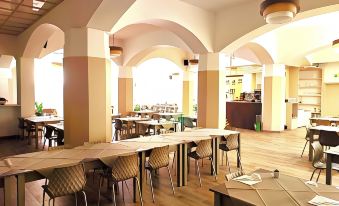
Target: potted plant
pixel 137 108
pixel 38 109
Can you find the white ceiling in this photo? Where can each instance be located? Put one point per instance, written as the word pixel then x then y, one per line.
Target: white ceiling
pixel 134 30
pixel 215 5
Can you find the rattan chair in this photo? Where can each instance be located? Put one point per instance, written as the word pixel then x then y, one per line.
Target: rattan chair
pixel 159 158
pixel 119 129
pixel 49 136
pixel 307 138
pixel 22 127
pixel 30 129
pixel 188 122
pixel 203 150
pixel 123 168
pixel 318 159
pixel 233 175
pixel 156 116
pixel 231 144
pixel 65 181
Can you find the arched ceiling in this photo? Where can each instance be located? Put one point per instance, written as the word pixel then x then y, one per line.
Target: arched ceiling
pixel 292 43
pixel 139 37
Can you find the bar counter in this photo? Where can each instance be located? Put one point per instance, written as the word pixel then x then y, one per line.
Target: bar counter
pixel 241 114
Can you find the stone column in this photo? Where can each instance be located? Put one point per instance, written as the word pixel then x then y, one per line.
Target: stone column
pixel 273 99
pixel 26 89
pixel 87 75
pixel 211 91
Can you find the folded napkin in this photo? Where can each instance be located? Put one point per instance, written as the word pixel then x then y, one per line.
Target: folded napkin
pixel 320 200
pixel 249 180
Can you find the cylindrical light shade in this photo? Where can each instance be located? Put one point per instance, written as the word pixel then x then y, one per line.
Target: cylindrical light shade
pixel 279 11
pixel 194 61
pixel 115 51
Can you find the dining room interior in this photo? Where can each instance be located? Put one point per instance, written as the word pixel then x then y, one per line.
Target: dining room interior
pixel 174 102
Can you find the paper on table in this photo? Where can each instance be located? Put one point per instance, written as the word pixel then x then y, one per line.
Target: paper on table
pixel 249 180
pixel 320 200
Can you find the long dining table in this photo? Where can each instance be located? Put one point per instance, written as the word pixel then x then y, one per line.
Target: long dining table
pixel 39 165
pixel 39 121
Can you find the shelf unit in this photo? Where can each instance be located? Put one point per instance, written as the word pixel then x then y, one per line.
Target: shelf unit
pixel 309 89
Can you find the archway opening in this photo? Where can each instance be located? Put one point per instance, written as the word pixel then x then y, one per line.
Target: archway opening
pixel 49 80
pixel 158 81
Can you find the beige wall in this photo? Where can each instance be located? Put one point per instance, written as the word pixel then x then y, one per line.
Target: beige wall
pixel 330 92
pixel 125 103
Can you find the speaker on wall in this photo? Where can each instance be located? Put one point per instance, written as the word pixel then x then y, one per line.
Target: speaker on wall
pixel 185 62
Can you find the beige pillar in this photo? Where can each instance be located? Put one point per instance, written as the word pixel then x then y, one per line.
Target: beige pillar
pixel 125 85
pixel 25 80
pixel 273 99
pixel 187 99
pixel 87 111
pixel 211 91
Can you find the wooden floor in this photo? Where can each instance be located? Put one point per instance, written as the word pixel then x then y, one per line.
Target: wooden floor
pixel 259 150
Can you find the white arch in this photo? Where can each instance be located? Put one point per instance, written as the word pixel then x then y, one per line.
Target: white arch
pixel 42 34
pixel 192 24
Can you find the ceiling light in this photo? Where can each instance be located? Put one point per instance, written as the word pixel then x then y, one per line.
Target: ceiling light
pixel 279 11
pixel 115 51
pixel 37 5
pixel 193 61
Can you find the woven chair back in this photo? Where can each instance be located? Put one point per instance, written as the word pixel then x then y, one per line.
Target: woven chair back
pixel 204 148
pixel 125 167
pixel 67 180
pixel 232 142
pixel 159 157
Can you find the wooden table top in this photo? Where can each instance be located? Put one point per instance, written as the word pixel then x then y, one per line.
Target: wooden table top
pixel 285 190
pixel 156 123
pixel 45 161
pixel 40 119
pixel 133 119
